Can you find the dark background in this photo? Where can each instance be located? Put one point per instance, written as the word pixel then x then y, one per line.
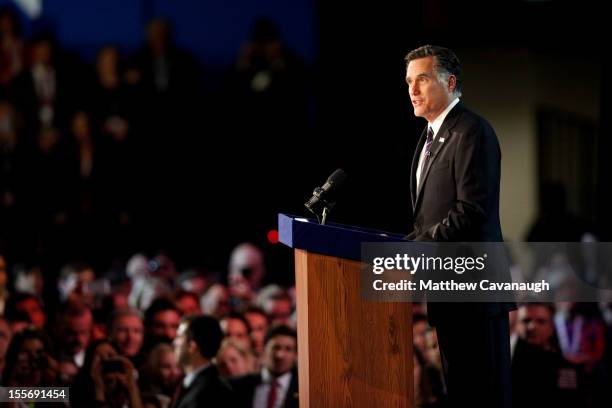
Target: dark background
pixel 213 178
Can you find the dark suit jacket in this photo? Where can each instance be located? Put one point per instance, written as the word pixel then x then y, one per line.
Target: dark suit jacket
pixel 458 197
pixel 206 390
pixel 245 390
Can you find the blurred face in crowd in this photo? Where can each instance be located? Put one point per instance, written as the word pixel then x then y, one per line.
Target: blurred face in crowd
pixel 188 305
pixel 42 52
pixel 165 324
pixel 80 126
pixel 31 361
pixel 82 290
pixel 215 301
pixel 259 328
pixel 120 300
pixel 237 330
pixel 7 25
pixel 431 349
pixel 418 335
pixel 280 310
pixel 77 332
pixel 246 269
pixel 5 337
pixel 158 35
pixel 168 370
pixel 429 96
pixel 233 362
pixel 127 334
pixel 535 324
pixel 108 58
pixel 34 310
pixel 195 284
pixel 30 281
pixel 280 354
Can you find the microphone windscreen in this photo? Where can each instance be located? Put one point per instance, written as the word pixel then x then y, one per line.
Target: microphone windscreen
pixel 337 177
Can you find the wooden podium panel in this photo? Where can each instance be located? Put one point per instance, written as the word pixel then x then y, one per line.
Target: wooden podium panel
pixel 351 353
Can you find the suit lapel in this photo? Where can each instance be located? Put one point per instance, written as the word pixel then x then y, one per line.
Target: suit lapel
pixel 415 164
pixel 199 382
pixel 442 138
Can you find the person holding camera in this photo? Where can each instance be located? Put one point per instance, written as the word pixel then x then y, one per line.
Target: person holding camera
pixel 28 360
pixel 106 379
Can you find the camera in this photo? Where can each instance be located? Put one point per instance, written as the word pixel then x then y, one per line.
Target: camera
pixel 112 366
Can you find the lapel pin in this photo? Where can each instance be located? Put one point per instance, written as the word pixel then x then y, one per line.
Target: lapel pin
pixel 442 140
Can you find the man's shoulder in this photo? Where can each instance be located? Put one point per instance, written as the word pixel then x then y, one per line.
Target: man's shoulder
pixel 467 119
pixel 210 378
pixel 245 381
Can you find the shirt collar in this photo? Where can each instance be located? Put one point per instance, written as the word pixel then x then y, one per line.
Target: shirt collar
pixel 283 380
pixel 189 378
pixel 437 123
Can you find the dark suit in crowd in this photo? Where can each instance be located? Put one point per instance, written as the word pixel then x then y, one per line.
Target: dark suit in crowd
pixel 208 389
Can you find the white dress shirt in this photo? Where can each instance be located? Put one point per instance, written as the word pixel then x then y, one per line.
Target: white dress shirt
pixel 262 391
pixel 435 125
pixel 189 378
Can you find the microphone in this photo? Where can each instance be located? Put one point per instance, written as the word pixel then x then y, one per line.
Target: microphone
pixel 320 195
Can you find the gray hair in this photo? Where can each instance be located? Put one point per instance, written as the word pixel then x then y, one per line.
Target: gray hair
pixel 446 63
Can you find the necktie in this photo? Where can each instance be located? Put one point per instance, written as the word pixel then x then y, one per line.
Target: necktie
pixel 272 395
pixel 428 143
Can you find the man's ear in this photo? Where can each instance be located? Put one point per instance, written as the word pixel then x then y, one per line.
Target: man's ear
pixel 192 346
pixel 452 83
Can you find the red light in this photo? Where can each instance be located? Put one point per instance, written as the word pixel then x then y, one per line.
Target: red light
pixel 273 236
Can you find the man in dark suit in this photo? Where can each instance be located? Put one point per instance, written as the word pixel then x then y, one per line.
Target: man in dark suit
pixel 197 342
pixel 276 386
pixel 455 197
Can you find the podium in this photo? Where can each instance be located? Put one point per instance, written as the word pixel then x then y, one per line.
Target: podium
pixel 351 353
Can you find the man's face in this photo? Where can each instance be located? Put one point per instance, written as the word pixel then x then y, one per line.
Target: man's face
pixel 81 291
pixel 429 97
pixel 165 324
pixel 127 334
pixel 280 311
pixel 188 306
pixel 432 349
pixel 419 329
pixel 234 362
pixel 77 333
pixel 259 327
pixel 237 330
pixel 169 371
pixel 31 361
pixel 34 310
pixel 280 354
pixel 535 324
